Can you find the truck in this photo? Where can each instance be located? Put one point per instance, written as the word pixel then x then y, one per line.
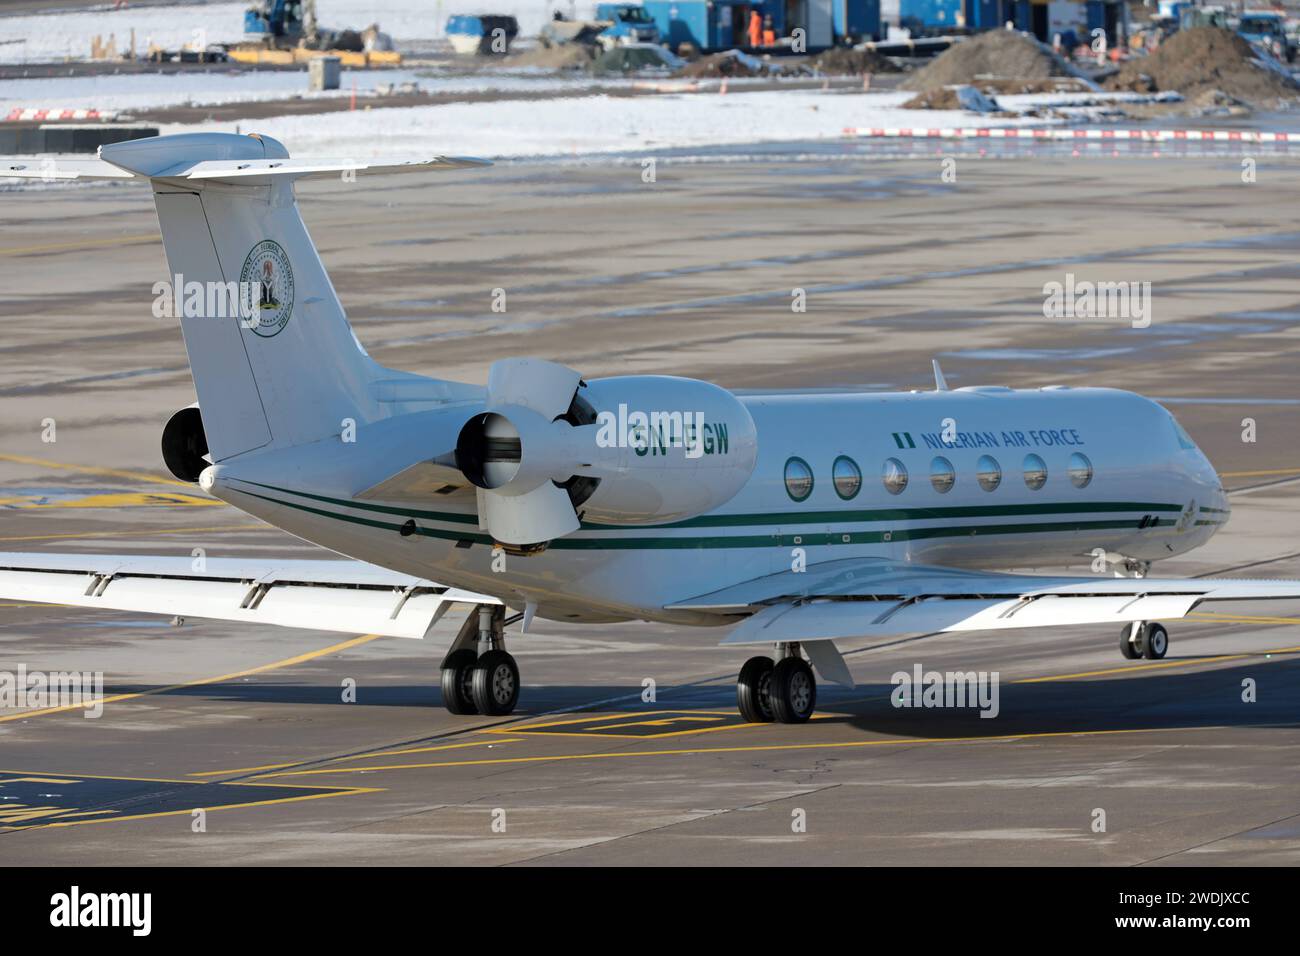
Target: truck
pixel 1267 28
pixel 628 23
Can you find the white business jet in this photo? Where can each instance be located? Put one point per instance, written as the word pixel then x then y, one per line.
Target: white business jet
pixel 792 520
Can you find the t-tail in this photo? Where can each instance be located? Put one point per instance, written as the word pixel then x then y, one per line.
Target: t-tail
pixel 274 360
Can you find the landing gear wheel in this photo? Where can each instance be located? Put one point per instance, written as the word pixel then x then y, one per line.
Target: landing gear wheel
pixel 793 691
pixel 496 683
pixel 753 690
pixel 1155 642
pixel 1128 643
pixel 457 677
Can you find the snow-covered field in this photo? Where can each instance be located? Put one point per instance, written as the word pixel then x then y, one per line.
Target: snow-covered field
pixel 126 92
pixel 54 36
pixel 596 124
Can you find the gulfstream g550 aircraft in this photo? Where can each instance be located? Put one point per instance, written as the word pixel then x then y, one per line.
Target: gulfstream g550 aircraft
pixel 792 520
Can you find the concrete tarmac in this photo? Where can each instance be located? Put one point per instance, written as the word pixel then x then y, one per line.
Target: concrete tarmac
pixel 1092 759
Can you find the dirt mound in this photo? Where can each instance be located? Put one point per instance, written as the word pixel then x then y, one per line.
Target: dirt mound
pixel 569 56
pixel 998 54
pixel 846 61
pixel 953 98
pixel 1208 58
pixel 729 63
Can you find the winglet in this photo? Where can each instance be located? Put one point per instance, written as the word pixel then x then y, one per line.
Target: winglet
pixel 940 385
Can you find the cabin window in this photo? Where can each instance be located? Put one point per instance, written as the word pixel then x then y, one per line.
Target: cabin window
pixel 1035 472
pixel 798 479
pixel 989 472
pixel 1080 470
pixel 846 476
pixel 942 475
pixel 894 476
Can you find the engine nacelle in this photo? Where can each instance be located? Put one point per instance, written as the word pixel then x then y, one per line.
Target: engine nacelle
pixel 549 449
pixel 671 448
pixel 184 444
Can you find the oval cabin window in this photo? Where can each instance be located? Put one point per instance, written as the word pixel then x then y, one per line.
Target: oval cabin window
pixel 798 479
pixel 989 472
pixel 894 476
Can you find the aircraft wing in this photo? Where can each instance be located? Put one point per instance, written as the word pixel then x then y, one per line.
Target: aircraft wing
pixel 881 598
pixel 346 596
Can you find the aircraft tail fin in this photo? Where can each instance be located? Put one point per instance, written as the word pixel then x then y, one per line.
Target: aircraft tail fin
pixel 274 360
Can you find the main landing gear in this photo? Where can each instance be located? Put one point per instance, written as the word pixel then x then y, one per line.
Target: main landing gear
pixel 478 676
pixel 784 690
pixel 1142 639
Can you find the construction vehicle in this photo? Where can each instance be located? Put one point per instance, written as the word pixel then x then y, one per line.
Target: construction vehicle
pixel 1267 28
pixel 280 24
pixel 1215 16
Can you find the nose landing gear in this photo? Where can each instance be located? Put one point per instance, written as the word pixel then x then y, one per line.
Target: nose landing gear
pixel 785 691
pixel 1142 639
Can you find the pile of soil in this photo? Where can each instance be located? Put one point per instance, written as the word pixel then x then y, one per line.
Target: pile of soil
pixel 1194 61
pixel 1056 84
pixel 729 64
pixel 567 56
pixel 846 61
pixel 955 98
pixel 997 54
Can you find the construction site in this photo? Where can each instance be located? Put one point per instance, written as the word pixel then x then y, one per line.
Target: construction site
pixel 71 80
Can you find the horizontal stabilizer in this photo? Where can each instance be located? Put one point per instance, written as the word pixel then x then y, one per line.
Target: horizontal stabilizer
pixel 243 171
pixel 214 157
pixel 60 170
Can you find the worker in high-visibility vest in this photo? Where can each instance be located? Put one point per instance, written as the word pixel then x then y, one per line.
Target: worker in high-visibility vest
pixel 769 31
pixel 755 29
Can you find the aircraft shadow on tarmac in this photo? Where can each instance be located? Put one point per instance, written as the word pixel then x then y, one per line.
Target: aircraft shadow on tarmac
pixel 1142 701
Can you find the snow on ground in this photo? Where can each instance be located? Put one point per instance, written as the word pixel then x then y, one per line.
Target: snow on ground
pixel 55 36
pixel 595 124
pixel 126 92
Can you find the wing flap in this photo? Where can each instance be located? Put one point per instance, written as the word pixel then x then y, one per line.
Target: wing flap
pixel 355 597
pixel 828 620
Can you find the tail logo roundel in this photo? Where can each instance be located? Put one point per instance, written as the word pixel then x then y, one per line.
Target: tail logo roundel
pixel 269 276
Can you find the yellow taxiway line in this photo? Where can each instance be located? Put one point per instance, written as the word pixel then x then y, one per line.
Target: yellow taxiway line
pixel 204 681
pixel 754 748
pixel 79 244
pixel 381 753
pixel 94 470
pixel 133 534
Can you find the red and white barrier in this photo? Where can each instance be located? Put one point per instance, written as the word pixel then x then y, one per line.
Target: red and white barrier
pixel 29 115
pixel 1075 134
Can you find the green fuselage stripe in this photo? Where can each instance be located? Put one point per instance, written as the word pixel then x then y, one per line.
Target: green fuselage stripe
pixel 782 518
pixel 729 541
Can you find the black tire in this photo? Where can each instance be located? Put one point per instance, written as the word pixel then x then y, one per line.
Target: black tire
pixel 1155 643
pixel 1127 647
pixel 794 691
pixel 457 675
pixel 496 684
pixel 753 695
